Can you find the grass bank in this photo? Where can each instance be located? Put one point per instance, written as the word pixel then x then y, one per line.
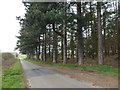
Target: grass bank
pixel 95 68
pixel 12 77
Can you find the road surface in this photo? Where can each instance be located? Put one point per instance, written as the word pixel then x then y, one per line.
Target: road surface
pixel 42 77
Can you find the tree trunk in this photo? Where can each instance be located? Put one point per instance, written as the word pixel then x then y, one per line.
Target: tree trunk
pixel 118 29
pixel 50 41
pixel 54 45
pixel 104 28
pixel 42 52
pixel 79 35
pixel 64 37
pixel 62 48
pixel 38 55
pixel 49 49
pixel 31 56
pixel 38 49
pixel 100 45
pixel 77 53
pixel 28 56
pixel 44 47
pixel 36 52
pixel 72 48
pixel 72 53
pixel 64 45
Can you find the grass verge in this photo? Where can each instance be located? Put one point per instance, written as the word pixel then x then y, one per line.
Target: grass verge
pixel 13 77
pixel 103 69
pixel 23 56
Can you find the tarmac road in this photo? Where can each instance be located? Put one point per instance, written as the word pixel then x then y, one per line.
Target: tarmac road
pixel 42 77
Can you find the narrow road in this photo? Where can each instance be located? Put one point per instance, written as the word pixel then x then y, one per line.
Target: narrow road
pixel 42 77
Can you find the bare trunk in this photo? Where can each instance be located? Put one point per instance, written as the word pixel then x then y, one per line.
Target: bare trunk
pixel 104 28
pixel 79 36
pixel 49 51
pixel 44 47
pixel 118 29
pixel 72 53
pixel 38 49
pixel 72 48
pixel 50 42
pixel 62 49
pixel 100 45
pixel 50 55
pixel 64 37
pixel 31 56
pixel 28 56
pixel 38 53
pixel 77 53
pixel 42 52
pixel 64 45
pixel 54 45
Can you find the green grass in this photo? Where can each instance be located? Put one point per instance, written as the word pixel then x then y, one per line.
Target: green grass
pixel 12 77
pixel 15 69
pixel 13 81
pixel 22 56
pixel 103 69
pixel 0 82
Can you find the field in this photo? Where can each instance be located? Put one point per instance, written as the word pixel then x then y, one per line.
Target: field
pixel 12 73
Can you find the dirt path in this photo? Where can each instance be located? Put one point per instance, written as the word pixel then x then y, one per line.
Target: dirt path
pixel 105 81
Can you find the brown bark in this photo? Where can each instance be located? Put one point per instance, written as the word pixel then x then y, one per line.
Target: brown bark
pixel 72 53
pixel 42 52
pixel 100 45
pixel 118 29
pixel 64 36
pixel 38 49
pixel 44 47
pixel 54 44
pixel 62 48
pixel 64 44
pixel 79 36
pixel 49 48
pixel 104 28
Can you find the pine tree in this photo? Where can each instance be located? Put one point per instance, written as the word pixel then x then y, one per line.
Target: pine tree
pixel 100 46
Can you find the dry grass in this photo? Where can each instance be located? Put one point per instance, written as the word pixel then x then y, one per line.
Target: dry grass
pixel 7 60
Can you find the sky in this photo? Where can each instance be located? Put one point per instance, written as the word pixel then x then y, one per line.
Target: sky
pixel 9 26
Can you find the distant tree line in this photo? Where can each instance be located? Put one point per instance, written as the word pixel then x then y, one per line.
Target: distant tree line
pixel 63 30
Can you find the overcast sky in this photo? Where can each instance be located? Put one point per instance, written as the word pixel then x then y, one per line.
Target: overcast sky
pixel 9 26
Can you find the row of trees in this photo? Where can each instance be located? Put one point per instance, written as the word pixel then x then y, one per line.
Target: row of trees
pixel 62 30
